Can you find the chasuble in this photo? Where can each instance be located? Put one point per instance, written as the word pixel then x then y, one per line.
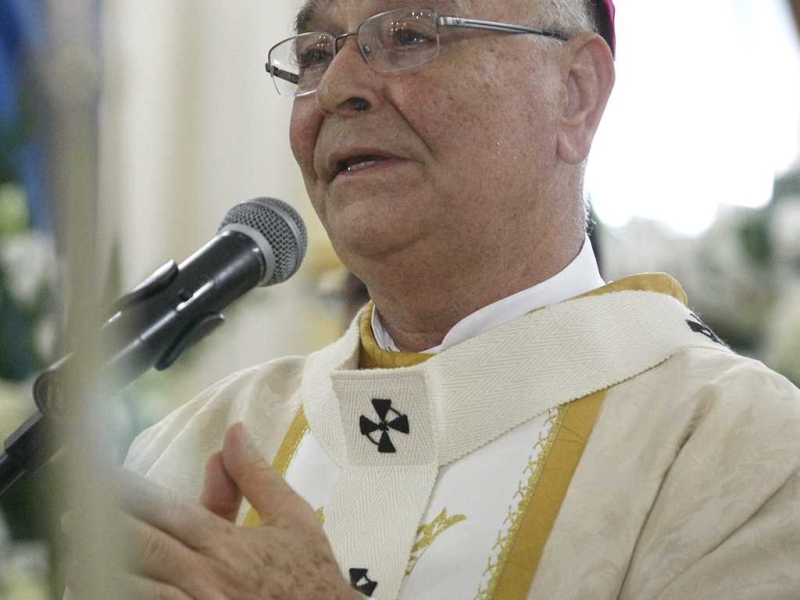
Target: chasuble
pixel 609 446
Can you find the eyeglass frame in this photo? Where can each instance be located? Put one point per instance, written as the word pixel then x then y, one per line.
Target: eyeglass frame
pixel 446 21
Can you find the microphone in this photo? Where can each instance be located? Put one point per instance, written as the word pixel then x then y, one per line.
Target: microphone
pixel 260 242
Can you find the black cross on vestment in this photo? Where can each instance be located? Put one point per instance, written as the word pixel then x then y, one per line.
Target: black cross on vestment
pixel 362 583
pixel 698 326
pixel 398 423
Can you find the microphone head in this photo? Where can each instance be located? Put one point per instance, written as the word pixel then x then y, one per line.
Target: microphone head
pixel 277 224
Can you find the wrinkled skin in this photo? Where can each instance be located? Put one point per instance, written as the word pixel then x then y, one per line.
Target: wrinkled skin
pixel 483 195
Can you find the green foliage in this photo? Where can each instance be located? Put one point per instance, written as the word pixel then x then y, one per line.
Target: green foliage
pixel 754 237
pixel 13 209
pixel 12 136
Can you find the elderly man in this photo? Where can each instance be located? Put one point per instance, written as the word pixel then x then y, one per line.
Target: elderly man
pixel 498 422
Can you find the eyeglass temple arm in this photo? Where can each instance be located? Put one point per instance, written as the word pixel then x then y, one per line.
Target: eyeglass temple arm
pixel 495 26
pixel 280 73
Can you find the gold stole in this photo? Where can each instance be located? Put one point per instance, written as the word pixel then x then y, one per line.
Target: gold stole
pixel 533 518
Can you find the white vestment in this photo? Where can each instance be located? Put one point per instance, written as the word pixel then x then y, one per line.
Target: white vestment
pixel 669 467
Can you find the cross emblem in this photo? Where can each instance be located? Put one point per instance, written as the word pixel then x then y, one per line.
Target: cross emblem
pixel 362 583
pixel 398 422
pixel 699 327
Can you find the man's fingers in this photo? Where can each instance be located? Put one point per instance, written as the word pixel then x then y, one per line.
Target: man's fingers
pixel 159 556
pixel 186 521
pixel 266 490
pixel 220 495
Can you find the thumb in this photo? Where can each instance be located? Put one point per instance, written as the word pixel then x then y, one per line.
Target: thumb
pixel 220 495
pixel 263 487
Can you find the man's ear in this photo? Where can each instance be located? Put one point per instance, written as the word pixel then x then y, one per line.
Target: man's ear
pixel 588 75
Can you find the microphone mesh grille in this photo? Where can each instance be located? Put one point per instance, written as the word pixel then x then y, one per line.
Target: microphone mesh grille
pixel 282 227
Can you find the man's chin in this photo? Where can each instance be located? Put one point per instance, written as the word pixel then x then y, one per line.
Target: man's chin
pixel 379 243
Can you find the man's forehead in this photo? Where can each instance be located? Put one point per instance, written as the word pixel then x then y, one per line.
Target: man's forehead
pixel 314 14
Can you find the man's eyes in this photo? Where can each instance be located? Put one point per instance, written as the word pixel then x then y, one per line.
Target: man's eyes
pixel 318 53
pixel 407 37
pixel 313 58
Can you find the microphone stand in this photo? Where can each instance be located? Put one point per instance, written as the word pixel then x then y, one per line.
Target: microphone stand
pixel 154 324
pixel 28 448
pixel 39 438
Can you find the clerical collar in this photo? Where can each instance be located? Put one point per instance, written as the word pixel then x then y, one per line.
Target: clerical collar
pixel 578 277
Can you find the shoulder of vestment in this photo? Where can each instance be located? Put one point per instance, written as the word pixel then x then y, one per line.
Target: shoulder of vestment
pixel 173 451
pixel 698 463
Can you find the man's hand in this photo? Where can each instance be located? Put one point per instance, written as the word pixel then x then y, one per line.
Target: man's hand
pixel 184 550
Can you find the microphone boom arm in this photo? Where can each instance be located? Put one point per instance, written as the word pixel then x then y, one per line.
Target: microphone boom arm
pixel 261 242
pixel 173 331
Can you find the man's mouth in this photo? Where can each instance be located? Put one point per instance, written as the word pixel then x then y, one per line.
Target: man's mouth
pixel 358 163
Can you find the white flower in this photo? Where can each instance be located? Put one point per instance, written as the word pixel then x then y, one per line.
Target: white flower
pixel 29 263
pixel 46 338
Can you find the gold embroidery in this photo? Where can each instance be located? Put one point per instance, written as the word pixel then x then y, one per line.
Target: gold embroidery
pixel 428 533
pixel 523 494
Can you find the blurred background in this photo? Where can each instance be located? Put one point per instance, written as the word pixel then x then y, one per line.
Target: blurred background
pixel 695 171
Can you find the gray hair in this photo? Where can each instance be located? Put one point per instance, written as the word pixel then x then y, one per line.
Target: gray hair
pixel 569 16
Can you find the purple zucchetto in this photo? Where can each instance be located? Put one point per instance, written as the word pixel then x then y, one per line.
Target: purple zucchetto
pixel 606 12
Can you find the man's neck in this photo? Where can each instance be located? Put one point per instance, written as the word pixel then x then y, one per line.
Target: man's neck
pixel 418 315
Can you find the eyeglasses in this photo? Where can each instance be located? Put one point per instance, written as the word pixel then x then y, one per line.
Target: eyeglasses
pixel 390 41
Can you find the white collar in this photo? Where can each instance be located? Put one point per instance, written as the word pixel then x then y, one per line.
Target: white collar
pixel 578 277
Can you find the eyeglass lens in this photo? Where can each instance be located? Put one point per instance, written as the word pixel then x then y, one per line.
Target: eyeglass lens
pixel 389 41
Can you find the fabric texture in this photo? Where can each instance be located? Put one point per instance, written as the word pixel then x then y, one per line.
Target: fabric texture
pixel 687 487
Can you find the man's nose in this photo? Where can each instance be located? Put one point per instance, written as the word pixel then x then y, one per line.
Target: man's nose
pixel 349 85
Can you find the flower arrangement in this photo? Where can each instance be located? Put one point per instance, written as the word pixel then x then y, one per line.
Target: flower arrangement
pixel 28 323
pixel 27 278
pixel 27 339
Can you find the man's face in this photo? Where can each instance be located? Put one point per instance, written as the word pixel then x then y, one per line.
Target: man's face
pixel 467 142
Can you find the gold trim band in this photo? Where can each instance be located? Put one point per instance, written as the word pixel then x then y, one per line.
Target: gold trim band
pixel 543 499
